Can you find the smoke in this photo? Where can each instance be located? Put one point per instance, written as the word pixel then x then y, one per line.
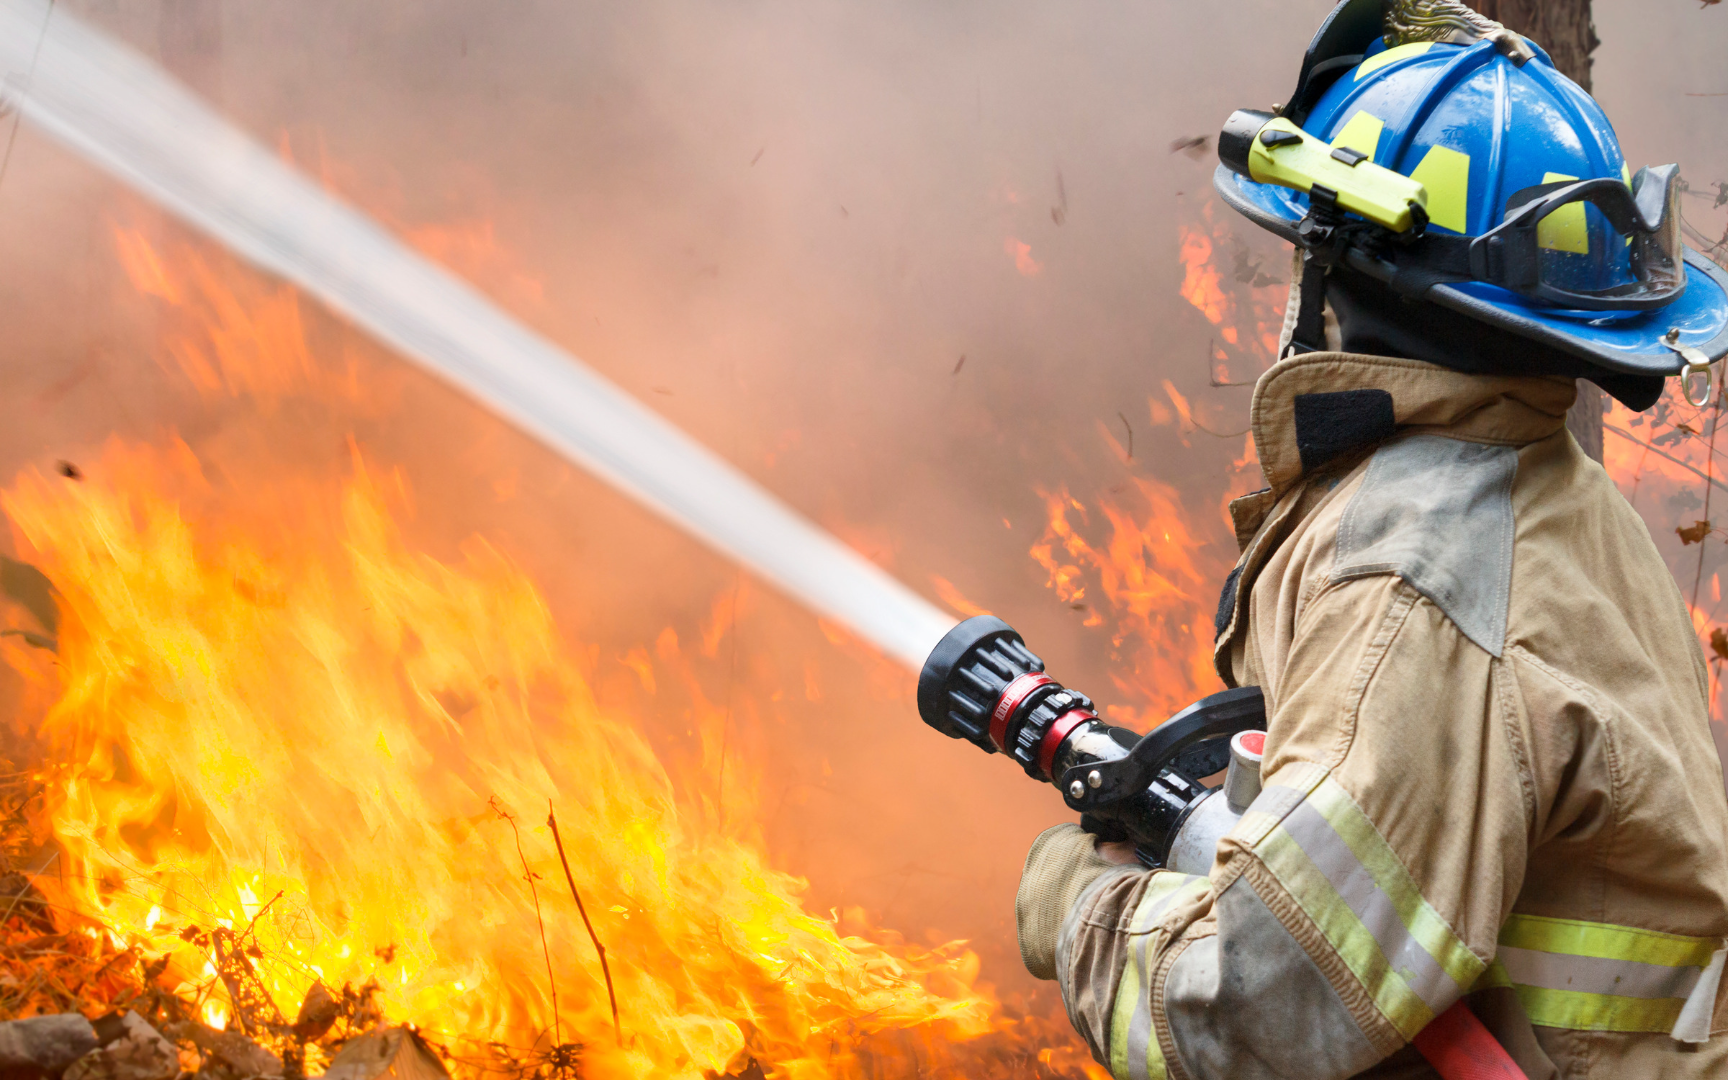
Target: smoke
pixel 782 226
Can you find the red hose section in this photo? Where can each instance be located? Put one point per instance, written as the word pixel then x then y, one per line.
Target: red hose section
pixel 1460 1048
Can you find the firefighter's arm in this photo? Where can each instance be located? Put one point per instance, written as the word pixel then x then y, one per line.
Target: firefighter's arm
pixel 1359 897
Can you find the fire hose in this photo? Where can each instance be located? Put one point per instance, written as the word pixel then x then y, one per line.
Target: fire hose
pixel 123 114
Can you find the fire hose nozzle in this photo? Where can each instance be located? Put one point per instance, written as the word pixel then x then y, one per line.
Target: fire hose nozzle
pixel 982 684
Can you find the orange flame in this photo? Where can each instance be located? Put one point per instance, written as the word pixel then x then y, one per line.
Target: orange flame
pixel 1152 580
pixel 1674 470
pixel 269 711
pixel 1248 298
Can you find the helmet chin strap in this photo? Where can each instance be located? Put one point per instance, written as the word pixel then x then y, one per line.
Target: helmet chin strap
pixel 1309 333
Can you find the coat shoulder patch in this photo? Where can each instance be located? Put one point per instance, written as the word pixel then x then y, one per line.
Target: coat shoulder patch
pixel 1438 513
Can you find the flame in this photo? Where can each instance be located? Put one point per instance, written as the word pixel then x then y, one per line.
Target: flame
pixel 1672 467
pixel 1243 298
pixel 1201 285
pixel 271 714
pixel 1152 580
pixel 1022 255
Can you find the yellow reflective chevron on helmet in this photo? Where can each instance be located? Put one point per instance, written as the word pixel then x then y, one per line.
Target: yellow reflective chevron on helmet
pixel 1361 133
pixel 1446 174
pixel 1566 229
pixel 1391 56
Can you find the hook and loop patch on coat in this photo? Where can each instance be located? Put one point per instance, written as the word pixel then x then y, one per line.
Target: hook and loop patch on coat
pixel 1438 513
pixel 1334 423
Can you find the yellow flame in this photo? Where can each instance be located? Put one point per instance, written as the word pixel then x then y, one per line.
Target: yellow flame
pixel 270 714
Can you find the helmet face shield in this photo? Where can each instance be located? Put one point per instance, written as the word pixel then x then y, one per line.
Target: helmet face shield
pixel 1589 244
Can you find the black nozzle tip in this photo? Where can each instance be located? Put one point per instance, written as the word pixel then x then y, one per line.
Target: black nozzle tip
pixel 1237 138
pixel 954 647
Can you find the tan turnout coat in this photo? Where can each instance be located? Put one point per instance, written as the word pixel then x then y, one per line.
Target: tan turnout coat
pixel 1489 769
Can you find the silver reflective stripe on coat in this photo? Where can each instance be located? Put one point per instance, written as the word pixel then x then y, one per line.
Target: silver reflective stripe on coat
pixel 1336 866
pixel 1594 975
pixel 1579 975
pixel 1136 1048
pixel 1378 914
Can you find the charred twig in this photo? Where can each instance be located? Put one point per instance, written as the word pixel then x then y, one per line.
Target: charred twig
pixel 1211 373
pixel 252 1001
pixel 1130 431
pixel 1710 468
pixel 605 969
pixel 29 886
pixel 255 1007
pixel 498 808
pixel 253 924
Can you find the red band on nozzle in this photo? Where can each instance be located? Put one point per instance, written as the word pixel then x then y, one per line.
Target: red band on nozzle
pixel 1013 695
pixel 1060 730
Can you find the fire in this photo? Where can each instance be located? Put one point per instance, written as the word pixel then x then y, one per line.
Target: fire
pixel 270 720
pixel 1021 253
pixel 1246 297
pixel 1200 281
pixel 332 728
pixel 1669 464
pixel 1151 580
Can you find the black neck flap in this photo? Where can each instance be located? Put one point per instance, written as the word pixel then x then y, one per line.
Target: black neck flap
pixel 1375 320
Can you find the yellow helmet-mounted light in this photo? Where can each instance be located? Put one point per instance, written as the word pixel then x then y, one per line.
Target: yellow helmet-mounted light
pixel 1271 150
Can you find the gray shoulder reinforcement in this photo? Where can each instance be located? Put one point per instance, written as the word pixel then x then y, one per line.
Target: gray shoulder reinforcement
pixel 1438 513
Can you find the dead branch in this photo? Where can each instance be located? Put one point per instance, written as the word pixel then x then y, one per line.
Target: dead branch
pixel 552 984
pixel 605 969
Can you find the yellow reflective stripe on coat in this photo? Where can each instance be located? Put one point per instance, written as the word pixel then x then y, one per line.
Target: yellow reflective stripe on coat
pixel 1134 1050
pixel 1343 873
pixel 1588 976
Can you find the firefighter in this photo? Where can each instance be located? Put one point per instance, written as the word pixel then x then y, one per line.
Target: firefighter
pixel 1489 773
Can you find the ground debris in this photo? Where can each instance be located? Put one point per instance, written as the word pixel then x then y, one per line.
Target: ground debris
pixel 318 1014
pixel 131 1050
pixel 252 1002
pixel 41 1047
pixel 230 1055
pixel 388 1054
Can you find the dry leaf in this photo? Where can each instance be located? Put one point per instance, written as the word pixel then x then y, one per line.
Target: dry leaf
pixel 1693 533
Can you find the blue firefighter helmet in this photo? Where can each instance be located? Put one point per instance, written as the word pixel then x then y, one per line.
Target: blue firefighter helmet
pixel 1520 212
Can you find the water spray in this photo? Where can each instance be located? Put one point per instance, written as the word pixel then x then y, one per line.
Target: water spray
pixel 124 114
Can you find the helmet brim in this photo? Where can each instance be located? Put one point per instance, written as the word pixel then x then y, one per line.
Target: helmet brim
pixel 1631 344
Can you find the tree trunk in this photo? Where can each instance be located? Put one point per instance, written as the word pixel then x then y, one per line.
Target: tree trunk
pixel 1562 27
